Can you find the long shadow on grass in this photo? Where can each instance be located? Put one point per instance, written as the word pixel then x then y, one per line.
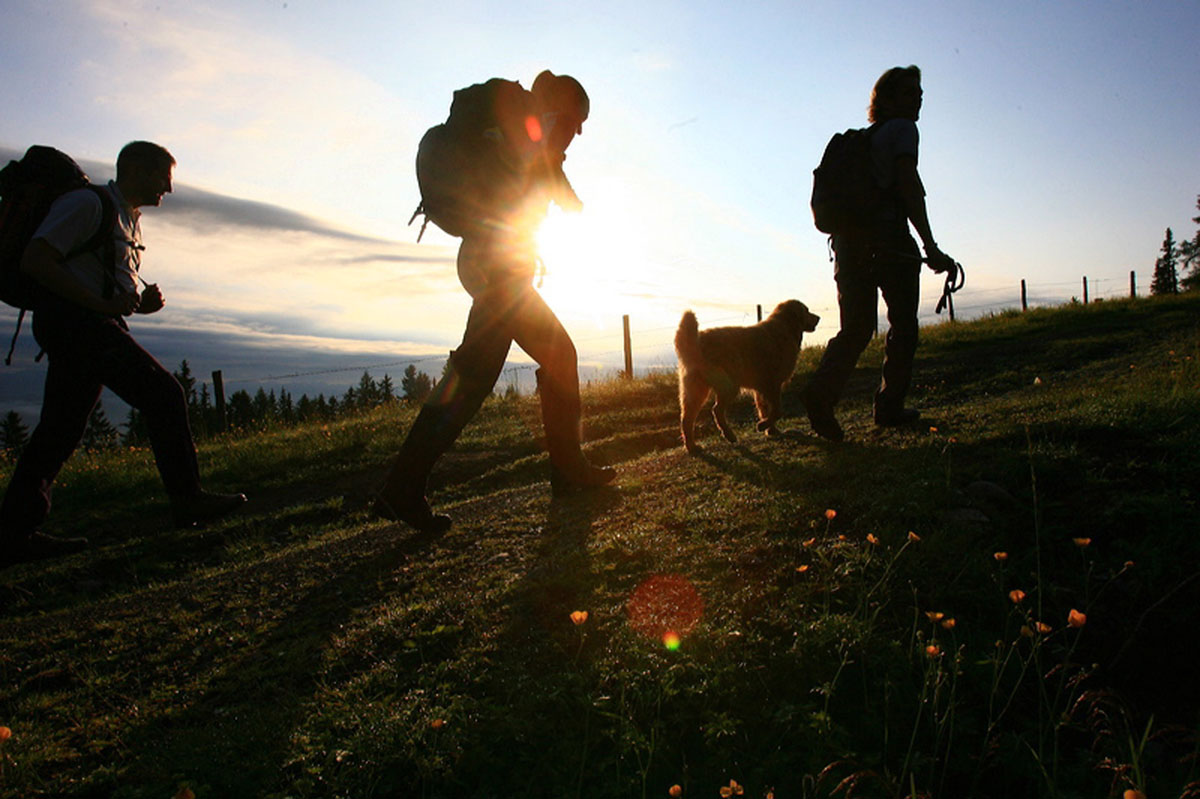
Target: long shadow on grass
pixel 526 695
pixel 234 736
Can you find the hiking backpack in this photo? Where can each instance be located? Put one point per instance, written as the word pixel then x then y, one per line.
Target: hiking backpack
pixel 466 164
pixel 27 189
pixel 845 195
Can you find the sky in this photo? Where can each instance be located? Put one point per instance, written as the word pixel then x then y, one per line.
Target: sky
pixel 1058 141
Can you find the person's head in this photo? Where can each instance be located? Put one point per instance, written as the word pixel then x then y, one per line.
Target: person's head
pixel 144 173
pixel 564 102
pixel 897 93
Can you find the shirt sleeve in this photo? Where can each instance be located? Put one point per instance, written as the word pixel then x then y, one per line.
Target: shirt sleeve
pixel 73 219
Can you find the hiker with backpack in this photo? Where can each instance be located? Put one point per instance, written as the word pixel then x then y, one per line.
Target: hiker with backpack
pixel 865 193
pixel 488 175
pixel 78 273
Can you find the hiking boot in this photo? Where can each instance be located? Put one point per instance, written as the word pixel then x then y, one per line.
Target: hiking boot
pixel 820 416
pixel 203 507
pixel 581 477
pixel 412 509
pixel 900 418
pixel 38 546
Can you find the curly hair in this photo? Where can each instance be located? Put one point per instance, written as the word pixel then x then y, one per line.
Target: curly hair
pixel 885 90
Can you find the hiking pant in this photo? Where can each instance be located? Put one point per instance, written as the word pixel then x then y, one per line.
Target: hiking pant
pixel 864 268
pixel 87 352
pixel 498 274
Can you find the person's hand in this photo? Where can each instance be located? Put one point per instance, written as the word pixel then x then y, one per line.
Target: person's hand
pixel 121 304
pixel 938 261
pixel 152 299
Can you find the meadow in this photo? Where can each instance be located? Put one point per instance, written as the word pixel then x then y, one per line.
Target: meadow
pixel 1000 602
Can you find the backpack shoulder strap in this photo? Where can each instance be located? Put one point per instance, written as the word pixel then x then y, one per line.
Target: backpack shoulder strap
pixel 101 242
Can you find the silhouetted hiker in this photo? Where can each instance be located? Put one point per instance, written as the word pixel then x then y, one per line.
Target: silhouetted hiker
pixel 488 175
pixel 78 321
pixel 876 253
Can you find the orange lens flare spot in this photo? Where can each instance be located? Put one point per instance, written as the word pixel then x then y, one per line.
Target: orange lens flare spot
pixel 671 640
pixel 665 604
pixel 533 126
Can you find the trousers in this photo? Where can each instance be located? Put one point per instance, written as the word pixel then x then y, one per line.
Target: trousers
pixel 865 267
pixel 86 352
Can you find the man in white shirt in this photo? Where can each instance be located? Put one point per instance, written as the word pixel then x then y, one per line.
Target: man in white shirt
pixel 79 323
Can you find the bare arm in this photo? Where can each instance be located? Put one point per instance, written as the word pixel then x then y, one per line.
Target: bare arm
pixel 45 265
pixel 912 194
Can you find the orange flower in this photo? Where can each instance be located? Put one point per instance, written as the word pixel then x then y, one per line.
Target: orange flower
pixel 1043 628
pixel 1128 564
pixel 1133 793
pixel 1017 596
pixel 871 539
pixel 733 789
pixel 830 513
pixel 185 793
pixel 802 568
pixel 842 537
pixel 913 536
pixel 579 617
pixel 933 429
pixel 437 724
pixel 1025 631
pixel 675 791
pixel 933 651
pixel 1076 619
pixel 1082 542
pixel 949 623
pixel 1000 556
pixel 5 734
pixel 809 542
pixel 935 615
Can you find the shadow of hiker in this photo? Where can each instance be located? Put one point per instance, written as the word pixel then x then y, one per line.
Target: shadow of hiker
pixel 234 737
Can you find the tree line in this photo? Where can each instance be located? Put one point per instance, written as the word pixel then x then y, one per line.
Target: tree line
pixel 1174 258
pixel 243 410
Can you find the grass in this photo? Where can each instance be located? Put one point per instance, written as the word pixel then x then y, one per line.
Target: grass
pixel 844 625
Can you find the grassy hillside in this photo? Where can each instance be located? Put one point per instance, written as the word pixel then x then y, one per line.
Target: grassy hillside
pixel 887 617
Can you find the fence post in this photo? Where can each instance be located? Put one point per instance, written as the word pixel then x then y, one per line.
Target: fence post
pixel 1085 291
pixel 1132 283
pixel 759 306
pixel 628 349
pixel 219 399
pixel 1024 298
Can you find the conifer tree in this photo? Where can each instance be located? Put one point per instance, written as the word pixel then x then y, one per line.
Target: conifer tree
pixel 14 435
pixel 415 385
pixel 1189 257
pixel 100 433
pixel 1166 274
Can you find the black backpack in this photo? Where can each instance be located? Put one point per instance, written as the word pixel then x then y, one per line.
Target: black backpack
pixel 465 164
pixel 27 189
pixel 845 195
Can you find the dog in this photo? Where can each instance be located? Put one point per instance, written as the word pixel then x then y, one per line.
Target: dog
pixel 725 360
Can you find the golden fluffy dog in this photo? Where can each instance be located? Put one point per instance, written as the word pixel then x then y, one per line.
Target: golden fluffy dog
pixel 727 359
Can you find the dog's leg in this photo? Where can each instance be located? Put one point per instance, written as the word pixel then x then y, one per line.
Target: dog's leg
pixel 724 400
pixel 692 393
pixel 770 408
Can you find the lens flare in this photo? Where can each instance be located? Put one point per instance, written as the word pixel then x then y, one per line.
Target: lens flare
pixel 533 126
pixel 665 605
pixel 671 640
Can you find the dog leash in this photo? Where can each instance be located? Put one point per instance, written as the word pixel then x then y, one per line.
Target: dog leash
pixel 956 278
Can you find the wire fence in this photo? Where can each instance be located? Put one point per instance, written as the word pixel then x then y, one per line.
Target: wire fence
pixel 628 350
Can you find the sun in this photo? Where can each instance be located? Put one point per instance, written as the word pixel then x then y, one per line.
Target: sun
pixel 597 261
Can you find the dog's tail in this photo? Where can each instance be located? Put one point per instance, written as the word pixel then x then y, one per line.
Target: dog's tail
pixel 687 340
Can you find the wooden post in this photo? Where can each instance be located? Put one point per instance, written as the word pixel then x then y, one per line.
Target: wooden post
pixel 759 306
pixel 1024 298
pixel 1132 283
pixel 219 399
pixel 1085 291
pixel 628 349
